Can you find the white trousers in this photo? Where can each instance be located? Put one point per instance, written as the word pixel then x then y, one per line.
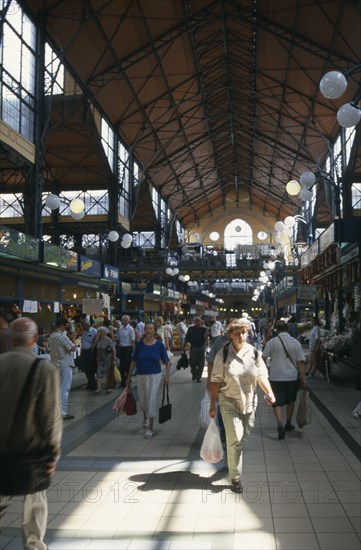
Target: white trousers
pixel 66 377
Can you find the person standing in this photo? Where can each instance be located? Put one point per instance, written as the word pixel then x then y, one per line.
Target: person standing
pixel 87 354
pixel 196 337
pixel 61 350
pixel 146 359
pixel 42 425
pixel 238 369
pixel 287 373
pixel 125 347
pixel 106 360
pixel 315 348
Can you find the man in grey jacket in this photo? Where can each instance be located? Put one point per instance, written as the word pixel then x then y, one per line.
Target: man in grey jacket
pixel 42 422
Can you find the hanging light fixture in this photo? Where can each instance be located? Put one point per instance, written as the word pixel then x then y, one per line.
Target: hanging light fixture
pixel 77 215
pixel 293 187
pixel 332 86
pixel 348 115
pixel 113 236
pixel 76 206
pixel 52 202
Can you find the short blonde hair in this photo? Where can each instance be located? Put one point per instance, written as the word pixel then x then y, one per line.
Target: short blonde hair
pixel 237 324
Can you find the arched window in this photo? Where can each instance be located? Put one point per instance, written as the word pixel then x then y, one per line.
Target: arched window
pixel 237 232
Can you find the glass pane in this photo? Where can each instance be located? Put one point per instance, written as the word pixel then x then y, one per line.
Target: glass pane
pixel 13 15
pixel 27 122
pixel 28 70
pixel 29 32
pixel 11 109
pixel 12 53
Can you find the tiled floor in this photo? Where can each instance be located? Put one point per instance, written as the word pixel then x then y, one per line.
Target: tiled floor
pixel 114 489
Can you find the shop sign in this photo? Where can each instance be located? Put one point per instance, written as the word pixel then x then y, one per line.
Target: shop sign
pixel 306 292
pixel 111 273
pixel 60 257
pixel 176 295
pixel 18 244
pixel 170 293
pixel 92 306
pixel 90 267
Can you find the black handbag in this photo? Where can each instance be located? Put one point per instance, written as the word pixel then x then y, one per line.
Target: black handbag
pixel 165 411
pixel 23 473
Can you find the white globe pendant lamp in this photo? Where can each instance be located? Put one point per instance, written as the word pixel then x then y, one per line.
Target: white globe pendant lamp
pixel 348 115
pixel 293 187
pixel 76 206
pixel 77 215
pixel 52 202
pixel 333 85
pixel 305 194
pixel 307 179
pixel 113 236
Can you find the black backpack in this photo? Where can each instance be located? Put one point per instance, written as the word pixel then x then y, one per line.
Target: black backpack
pixel 226 349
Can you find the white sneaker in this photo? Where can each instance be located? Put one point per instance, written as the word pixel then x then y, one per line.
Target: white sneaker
pixel 356 415
pixel 148 434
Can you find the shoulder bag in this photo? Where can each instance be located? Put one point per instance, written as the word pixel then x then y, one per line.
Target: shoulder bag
pixel 23 473
pixel 286 352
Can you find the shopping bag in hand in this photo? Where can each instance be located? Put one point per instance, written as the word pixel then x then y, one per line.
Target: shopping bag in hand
pixel 130 406
pixel 304 415
pixel 212 449
pixel 119 404
pixel 204 418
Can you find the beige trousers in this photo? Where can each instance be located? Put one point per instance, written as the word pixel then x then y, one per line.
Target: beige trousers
pixel 237 427
pixel 35 517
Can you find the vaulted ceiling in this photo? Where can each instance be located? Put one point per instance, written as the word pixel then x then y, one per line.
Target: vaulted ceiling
pixel 214 97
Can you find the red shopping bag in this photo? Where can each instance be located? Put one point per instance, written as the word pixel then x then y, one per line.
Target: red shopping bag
pixel 130 407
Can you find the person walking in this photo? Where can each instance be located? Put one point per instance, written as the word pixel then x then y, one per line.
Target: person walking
pixel 196 337
pixel 314 358
pixel 124 347
pixel 146 359
pixel 61 350
pixel 42 428
pixel 287 374
pixel 87 353
pixel 238 369
pixel 182 331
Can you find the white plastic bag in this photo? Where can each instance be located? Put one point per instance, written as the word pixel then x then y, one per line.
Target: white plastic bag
pixel 212 449
pixel 204 410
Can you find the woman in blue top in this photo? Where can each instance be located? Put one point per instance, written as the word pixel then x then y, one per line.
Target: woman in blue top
pixel 146 359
